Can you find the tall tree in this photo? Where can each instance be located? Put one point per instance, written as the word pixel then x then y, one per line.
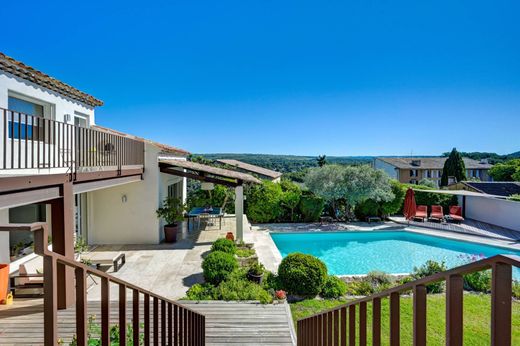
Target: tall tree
pixel 453 167
pixel 322 160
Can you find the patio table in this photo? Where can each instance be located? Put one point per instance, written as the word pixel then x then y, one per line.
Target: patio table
pixel 208 213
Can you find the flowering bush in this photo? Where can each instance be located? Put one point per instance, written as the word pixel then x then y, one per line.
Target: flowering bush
pixel 477 281
pixel 280 294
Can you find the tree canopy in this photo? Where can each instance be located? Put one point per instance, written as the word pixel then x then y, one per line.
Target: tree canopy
pixel 453 167
pixel 507 171
pixel 351 184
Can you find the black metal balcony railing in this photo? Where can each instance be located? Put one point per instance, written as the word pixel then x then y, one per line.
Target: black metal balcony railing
pixel 32 142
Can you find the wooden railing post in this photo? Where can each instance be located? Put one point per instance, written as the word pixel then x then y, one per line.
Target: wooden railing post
pixel 501 291
pixel 454 298
pixel 122 315
pixel 343 337
pixel 155 321
pixel 105 311
pixel 395 323
pixel 362 324
pixel 81 306
pixel 352 325
pixel 50 301
pixel 376 322
pixel 135 316
pixel 419 315
pixel 146 319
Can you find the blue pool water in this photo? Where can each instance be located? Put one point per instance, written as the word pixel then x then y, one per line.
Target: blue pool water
pixel 395 252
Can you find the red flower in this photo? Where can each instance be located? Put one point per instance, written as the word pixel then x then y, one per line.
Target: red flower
pixel 280 294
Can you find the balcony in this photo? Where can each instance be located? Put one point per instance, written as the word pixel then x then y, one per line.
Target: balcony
pixel 32 145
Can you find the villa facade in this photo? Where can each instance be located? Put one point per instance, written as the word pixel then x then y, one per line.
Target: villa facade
pixel 411 170
pixel 84 180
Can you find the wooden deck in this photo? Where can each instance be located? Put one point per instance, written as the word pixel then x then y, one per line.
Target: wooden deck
pixel 469 226
pixel 237 323
pixel 226 322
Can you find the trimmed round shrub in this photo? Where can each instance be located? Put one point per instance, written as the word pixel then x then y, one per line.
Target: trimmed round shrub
pixel 333 287
pixel 217 266
pixel 302 274
pixel 224 245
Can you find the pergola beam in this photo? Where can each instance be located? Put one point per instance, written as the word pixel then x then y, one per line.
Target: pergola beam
pixel 199 177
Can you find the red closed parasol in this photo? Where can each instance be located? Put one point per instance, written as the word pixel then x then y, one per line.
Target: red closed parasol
pixel 409 204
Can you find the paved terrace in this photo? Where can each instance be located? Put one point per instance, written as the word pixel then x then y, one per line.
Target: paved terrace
pixel 468 226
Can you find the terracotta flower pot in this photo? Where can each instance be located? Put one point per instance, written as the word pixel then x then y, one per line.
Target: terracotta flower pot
pixel 4 282
pixel 170 233
pixel 230 236
pixel 255 278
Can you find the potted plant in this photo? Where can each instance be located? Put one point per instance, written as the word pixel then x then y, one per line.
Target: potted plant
pixel 172 212
pixel 256 272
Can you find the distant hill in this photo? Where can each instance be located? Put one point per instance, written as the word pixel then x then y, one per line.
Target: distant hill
pixel 493 158
pixel 288 163
pixel 297 163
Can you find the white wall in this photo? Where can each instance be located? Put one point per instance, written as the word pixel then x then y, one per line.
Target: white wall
pixel 62 104
pixel 59 106
pixel 495 211
pixel 134 222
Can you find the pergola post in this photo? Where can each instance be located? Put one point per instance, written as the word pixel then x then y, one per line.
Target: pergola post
pixel 239 211
pixel 62 225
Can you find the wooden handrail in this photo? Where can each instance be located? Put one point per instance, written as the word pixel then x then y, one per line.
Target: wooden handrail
pixel 328 326
pixel 183 324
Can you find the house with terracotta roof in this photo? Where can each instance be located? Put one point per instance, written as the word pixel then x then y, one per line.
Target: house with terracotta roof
pixel 411 170
pixel 260 172
pixel 57 165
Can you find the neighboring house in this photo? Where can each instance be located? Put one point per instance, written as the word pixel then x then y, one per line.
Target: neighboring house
pixel 412 170
pixel 260 172
pixel 496 188
pixel 84 180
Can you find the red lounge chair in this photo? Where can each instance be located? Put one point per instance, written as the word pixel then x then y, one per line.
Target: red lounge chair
pixel 456 213
pixel 437 213
pixel 421 212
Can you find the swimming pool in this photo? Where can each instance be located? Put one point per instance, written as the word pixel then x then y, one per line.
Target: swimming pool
pixel 391 251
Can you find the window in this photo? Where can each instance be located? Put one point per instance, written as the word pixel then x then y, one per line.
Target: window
pixel 23 120
pixel 81 120
pixel 175 190
pixel 413 172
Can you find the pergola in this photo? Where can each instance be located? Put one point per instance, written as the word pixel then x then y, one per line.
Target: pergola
pixel 215 175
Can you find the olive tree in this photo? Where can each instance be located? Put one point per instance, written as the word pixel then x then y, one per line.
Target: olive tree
pixel 352 184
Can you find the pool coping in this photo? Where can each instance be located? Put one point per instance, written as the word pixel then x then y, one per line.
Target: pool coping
pixel 271 256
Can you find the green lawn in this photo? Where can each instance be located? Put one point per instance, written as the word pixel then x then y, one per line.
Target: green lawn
pixel 477 310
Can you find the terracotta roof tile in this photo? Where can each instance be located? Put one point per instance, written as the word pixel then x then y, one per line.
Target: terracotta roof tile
pixel 430 162
pixel 19 69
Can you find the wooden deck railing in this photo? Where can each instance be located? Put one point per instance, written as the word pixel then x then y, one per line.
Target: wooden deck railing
pixel 32 142
pixel 170 323
pixel 338 326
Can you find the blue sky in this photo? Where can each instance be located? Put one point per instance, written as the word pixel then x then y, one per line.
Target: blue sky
pixel 287 77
